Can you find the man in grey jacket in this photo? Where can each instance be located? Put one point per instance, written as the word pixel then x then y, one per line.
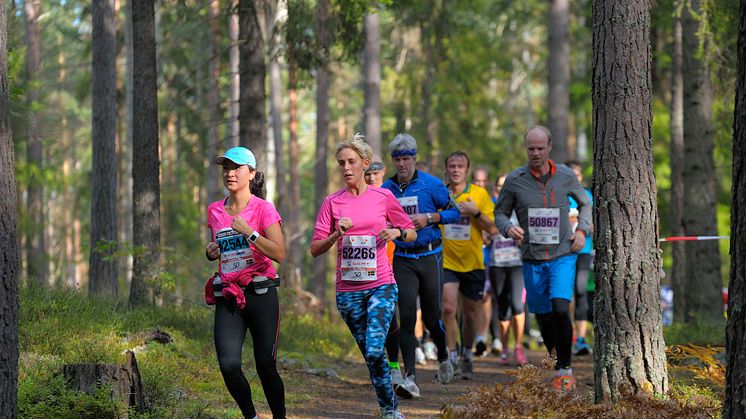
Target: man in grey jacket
pixel 538 192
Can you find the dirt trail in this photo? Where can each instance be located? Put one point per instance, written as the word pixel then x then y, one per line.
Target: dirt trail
pixel 351 395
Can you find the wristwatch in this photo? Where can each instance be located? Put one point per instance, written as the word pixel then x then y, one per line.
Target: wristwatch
pixel 253 236
pixel 429 218
pixel 402 234
pixel 478 214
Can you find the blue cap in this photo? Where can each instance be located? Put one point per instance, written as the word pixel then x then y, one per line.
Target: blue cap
pixel 238 155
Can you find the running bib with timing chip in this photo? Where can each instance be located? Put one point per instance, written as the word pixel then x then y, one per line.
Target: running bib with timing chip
pixel 460 230
pixel 505 251
pixel 409 204
pixel 358 258
pixel 235 252
pixel 544 225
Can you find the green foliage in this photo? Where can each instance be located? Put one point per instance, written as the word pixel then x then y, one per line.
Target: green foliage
pixel 701 332
pixel 180 380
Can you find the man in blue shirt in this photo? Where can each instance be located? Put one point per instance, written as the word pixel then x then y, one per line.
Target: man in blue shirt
pixel 418 265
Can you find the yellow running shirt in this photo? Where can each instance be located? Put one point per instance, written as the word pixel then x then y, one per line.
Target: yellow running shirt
pixel 462 241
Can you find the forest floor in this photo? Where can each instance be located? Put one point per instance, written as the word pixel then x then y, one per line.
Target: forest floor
pixel 351 395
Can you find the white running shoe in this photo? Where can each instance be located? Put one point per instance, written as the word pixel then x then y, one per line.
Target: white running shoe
pixel 446 372
pixel 396 414
pixel 396 378
pixel 431 353
pixel 419 356
pixel 408 389
pixel 497 346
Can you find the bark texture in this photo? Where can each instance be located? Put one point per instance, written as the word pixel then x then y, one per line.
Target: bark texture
pixel 678 202
pixel 735 331
pixel 700 295
pixel 146 164
pixel 214 145
pixel 323 45
pixel 629 349
pixel 372 70
pixel 558 66
pixel 37 266
pixel 102 273
pixel 252 129
pixel 8 245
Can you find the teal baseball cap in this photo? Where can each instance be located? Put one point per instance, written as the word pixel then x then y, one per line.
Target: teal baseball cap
pixel 238 155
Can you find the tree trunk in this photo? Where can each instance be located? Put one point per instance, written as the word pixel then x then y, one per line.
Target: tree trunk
pixel 735 331
pixel 323 45
pixel 274 24
pixel 700 295
pixel 145 168
pixel 678 203
pixel 124 380
pixel 429 120
pixel 37 268
pixel 8 245
pixel 293 230
pixel 558 68
pixel 125 156
pixel 102 274
pixel 372 70
pixel 252 130
pixel 214 145
pixel 629 348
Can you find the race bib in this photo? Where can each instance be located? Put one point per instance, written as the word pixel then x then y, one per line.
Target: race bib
pixel 235 252
pixel 505 251
pixel 544 225
pixel 461 230
pixel 409 204
pixel 358 258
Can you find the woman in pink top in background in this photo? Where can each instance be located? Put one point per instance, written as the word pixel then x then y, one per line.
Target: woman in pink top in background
pixel 246 237
pixel 357 219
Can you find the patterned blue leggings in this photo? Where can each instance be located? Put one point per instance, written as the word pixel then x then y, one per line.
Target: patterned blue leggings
pixel 368 314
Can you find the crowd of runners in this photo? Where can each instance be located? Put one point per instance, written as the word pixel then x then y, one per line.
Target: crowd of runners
pixel 426 268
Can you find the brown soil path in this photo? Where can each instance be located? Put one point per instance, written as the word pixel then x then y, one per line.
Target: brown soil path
pixel 351 395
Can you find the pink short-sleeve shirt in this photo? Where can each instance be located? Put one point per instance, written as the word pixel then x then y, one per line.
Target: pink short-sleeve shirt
pixel 362 262
pixel 239 260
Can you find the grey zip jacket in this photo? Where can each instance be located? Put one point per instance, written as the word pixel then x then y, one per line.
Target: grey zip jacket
pixel 543 211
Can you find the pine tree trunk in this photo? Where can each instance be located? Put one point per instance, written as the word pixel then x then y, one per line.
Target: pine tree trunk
pixel 293 230
pixel 37 268
pixel 429 120
pixel 103 267
pixel 372 70
pixel 252 130
pixel 735 331
pixel 214 145
pixel 700 296
pixel 235 76
pixel 8 245
pixel 125 175
pixel 558 87
pixel 275 21
pixel 629 348
pixel 678 203
pixel 323 45
pixel 145 168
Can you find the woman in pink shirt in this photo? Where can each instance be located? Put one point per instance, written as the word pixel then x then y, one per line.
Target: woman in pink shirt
pixel 246 237
pixel 357 218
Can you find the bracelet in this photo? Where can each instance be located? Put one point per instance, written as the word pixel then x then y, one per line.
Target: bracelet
pixel 330 241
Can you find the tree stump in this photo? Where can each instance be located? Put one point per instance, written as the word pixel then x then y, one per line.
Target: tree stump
pixel 124 380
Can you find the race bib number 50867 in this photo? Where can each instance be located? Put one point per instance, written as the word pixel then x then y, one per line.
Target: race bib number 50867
pixel 544 225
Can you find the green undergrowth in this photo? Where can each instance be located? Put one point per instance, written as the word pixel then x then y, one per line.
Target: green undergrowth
pixel 180 379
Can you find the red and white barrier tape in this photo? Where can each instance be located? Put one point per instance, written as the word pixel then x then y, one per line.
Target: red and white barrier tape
pixel 691 238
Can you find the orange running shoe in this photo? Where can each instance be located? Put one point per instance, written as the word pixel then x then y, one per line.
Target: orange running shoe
pixel 564 380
